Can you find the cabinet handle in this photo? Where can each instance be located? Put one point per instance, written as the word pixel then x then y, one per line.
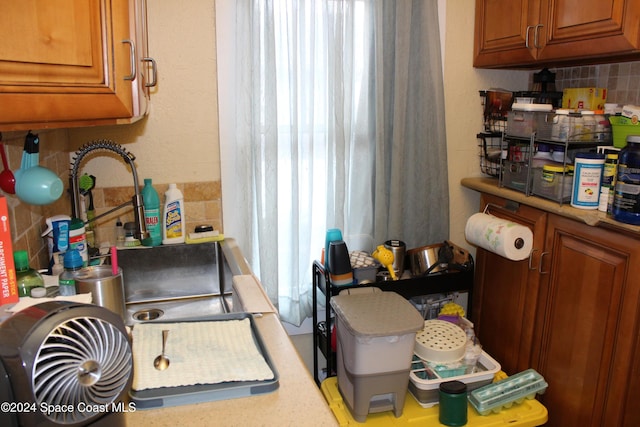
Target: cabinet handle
pixel 526 37
pixel 536 36
pixel 132 59
pixel 540 265
pixel 154 72
pixel 533 251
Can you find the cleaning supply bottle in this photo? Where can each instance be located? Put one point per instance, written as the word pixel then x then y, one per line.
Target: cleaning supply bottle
pixel 151 214
pixel 173 218
pixel 58 260
pixel 26 277
pixel 57 236
pixel 73 264
pixel 119 233
pixel 78 239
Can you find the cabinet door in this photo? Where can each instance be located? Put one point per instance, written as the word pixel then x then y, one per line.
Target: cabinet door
pixel 64 61
pixel 587 326
pixel 143 72
pixel 505 292
pixel 505 32
pixel 579 28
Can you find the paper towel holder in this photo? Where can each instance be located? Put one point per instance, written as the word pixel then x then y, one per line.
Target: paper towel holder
pixel 509 205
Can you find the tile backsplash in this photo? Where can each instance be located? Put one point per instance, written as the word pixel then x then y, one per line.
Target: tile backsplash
pixel 202 205
pixel 27 221
pixel 620 79
pixel 203 200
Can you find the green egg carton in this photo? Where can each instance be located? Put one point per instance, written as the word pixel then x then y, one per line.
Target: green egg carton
pixel 506 392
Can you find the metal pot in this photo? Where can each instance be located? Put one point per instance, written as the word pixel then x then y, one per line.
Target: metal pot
pixel 421 259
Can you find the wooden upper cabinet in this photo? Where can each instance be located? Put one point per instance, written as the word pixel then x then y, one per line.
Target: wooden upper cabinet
pixel 555 32
pixel 578 29
pixel 504 32
pixel 69 63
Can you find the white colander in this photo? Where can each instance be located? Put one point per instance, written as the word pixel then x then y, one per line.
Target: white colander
pixel 440 341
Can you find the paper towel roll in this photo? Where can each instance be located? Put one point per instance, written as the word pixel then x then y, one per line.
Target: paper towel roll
pixel 505 238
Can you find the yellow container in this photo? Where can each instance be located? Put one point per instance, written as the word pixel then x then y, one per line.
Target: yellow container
pixel 584 98
pixel 529 413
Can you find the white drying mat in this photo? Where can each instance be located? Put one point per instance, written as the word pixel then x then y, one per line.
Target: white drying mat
pixel 209 352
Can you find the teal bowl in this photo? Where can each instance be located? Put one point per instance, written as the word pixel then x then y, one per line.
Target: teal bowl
pixel 38 185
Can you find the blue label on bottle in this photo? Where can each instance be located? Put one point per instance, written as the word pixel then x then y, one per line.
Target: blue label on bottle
pixel 627 194
pixel 586 185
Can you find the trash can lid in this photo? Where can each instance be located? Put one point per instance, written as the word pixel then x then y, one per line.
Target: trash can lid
pixel 377 314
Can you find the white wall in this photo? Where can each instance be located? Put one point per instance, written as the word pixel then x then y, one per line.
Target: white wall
pixel 178 141
pixel 464 111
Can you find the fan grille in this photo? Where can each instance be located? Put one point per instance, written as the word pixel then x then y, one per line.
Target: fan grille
pixel 84 364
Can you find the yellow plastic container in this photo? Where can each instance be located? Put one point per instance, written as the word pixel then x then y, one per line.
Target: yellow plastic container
pixel 529 413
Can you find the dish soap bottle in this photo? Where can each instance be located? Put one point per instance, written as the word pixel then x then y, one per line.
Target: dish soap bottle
pixel 151 214
pixel 173 219
pixel 26 277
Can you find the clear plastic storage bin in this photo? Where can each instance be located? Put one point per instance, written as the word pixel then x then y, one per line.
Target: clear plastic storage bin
pixel 425 388
pixel 553 182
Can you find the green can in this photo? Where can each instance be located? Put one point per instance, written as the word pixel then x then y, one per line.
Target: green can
pixel 453 403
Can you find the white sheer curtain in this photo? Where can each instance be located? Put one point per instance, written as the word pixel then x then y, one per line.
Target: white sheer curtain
pixel 338 123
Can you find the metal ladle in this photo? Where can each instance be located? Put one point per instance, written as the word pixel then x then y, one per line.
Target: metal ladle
pixel 162 362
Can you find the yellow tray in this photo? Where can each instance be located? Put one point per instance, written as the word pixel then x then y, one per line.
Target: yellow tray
pixel 529 413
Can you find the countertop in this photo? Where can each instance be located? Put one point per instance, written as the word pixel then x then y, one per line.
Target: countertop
pixel 297 402
pixel 594 218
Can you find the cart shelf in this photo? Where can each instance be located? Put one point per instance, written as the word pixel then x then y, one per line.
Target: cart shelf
pixel 434 283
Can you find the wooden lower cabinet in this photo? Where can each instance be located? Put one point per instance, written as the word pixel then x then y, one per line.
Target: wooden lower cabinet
pixel 505 292
pixel 576 319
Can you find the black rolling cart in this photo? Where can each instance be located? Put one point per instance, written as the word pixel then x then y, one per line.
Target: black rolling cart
pixel 434 283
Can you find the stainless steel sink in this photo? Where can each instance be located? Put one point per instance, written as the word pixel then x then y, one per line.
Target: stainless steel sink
pixel 173 282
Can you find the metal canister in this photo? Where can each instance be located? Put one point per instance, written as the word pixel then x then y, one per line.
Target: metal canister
pixel 398 247
pixel 107 289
